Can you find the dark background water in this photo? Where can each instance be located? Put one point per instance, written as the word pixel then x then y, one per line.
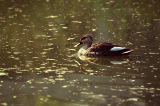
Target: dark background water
pixel 39 65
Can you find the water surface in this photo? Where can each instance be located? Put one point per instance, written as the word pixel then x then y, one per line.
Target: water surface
pixel 39 65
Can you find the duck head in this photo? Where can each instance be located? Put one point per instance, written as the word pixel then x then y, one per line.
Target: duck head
pixel 87 40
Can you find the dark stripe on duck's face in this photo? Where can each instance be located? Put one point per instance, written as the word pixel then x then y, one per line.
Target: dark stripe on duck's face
pixel 83 38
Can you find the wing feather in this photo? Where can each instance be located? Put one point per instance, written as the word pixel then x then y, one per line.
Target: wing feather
pixel 102 47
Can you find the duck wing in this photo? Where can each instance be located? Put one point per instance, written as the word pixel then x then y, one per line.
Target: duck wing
pixel 105 49
pixel 101 47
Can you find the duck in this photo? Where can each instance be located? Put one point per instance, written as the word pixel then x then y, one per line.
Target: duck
pixel 100 49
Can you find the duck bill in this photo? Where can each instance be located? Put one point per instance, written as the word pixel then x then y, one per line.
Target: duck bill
pixel 78 44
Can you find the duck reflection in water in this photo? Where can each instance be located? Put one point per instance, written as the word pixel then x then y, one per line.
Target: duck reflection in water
pixel 105 61
pixel 115 54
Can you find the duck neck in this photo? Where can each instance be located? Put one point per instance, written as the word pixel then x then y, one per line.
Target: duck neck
pixel 89 44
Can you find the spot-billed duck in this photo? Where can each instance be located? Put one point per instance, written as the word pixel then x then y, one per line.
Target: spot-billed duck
pixel 100 49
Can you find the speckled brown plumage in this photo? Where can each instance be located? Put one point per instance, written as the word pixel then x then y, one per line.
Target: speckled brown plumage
pixel 103 49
